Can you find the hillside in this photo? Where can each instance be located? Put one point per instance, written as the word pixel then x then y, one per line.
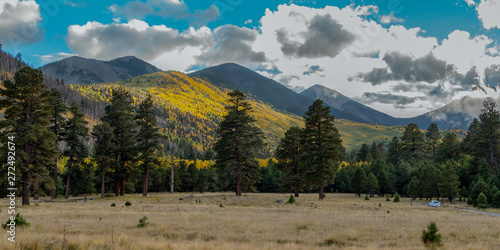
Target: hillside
pixel 234 76
pixel 191 108
pixel 81 70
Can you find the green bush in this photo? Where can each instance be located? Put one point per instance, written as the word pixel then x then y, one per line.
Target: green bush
pixel 387 198
pixel 496 200
pixel 366 198
pixel 113 204
pixel 142 222
pixel 291 199
pixel 430 237
pixel 396 198
pixel 128 204
pixel 19 220
pixel 482 201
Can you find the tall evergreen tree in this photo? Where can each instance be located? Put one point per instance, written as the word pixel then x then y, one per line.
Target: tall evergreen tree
pixel 489 132
pixel 394 151
pixel 119 115
pixel 103 151
pixel 238 145
pixel 429 178
pixel 358 182
pixel 288 155
pixel 322 146
pixel 433 136
pixel 58 123
pixel 449 149
pixel 27 118
pixel 76 133
pixel 147 138
pixel 372 184
pixel 363 152
pixel 413 143
pixel 448 181
pixel 413 187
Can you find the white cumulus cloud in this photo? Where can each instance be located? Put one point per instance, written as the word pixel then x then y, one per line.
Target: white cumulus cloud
pixel 20 22
pixel 488 12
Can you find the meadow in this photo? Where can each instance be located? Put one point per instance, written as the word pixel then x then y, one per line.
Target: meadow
pixel 253 221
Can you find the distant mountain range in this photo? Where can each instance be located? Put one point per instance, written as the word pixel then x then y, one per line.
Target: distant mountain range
pixel 456 115
pixel 87 71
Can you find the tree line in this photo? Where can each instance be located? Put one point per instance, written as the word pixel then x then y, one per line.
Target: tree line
pixel 130 154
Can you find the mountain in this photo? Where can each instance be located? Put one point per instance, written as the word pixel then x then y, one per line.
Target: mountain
pixel 457 114
pixel 81 70
pixel 234 76
pixel 337 100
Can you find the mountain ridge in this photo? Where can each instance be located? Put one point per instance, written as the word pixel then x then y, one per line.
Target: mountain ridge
pixel 77 69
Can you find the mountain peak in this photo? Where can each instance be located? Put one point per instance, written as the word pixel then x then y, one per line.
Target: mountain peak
pixel 77 69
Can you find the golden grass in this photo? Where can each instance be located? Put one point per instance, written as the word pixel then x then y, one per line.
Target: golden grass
pixel 253 221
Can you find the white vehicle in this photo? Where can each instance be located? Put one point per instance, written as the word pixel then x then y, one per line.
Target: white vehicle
pixel 434 204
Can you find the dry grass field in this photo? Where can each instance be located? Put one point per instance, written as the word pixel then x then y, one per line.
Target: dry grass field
pixel 253 221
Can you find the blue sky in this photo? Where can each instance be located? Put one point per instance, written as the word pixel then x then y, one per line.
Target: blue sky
pixel 401 57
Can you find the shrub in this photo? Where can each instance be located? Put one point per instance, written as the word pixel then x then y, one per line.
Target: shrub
pixel 387 198
pixel 496 200
pixel 379 205
pixel 128 204
pixel 142 222
pixel 431 238
pixel 396 198
pixel 366 198
pixel 19 220
pixel 220 205
pixel 482 201
pixel 291 199
pixel 113 204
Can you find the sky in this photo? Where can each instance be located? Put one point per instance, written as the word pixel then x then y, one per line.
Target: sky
pixel 403 58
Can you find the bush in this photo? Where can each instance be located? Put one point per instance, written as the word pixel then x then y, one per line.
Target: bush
pixel 496 200
pixel 396 198
pixel 142 222
pixel 19 220
pixel 366 198
pixel 431 238
pixel 128 204
pixel 482 201
pixel 113 204
pixel 387 198
pixel 291 199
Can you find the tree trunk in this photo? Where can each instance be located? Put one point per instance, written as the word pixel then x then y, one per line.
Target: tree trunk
pixel 35 188
pixel 238 182
pixel 296 188
pixel 26 190
pixel 321 195
pixel 54 178
pixel 102 183
pixel 117 186
pixel 145 184
pixel 66 195
pixel 122 186
pixel 172 175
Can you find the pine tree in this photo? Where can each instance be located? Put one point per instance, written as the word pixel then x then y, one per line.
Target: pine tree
pixel 358 181
pixel 413 143
pixel 104 149
pixel 413 187
pixel 363 152
pixel 383 183
pixel 119 115
pixel 372 184
pixel 238 145
pixel 482 201
pixel 448 185
pixel 58 121
pixel 489 132
pixel 27 118
pixel 428 180
pixel 431 237
pixel 449 149
pixel 433 136
pixel 322 146
pixel 147 138
pixel 288 155
pixel 76 133
pixel 394 151
pixel 496 200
